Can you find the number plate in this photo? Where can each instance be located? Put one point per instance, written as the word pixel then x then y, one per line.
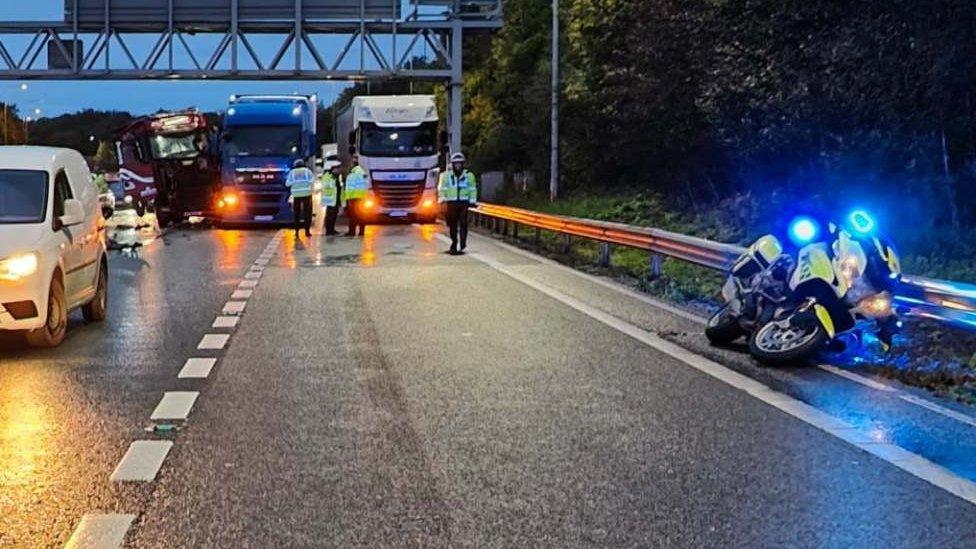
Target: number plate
pixel 398 213
pixel 264 218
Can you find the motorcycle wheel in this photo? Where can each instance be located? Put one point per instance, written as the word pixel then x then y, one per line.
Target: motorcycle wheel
pixel 140 208
pixel 723 328
pixel 780 343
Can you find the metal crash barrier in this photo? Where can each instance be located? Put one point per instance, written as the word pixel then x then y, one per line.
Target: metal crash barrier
pixel 941 300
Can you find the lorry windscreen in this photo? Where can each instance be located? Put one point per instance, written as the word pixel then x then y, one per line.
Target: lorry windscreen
pixel 176 146
pixel 263 140
pixel 23 196
pixel 417 141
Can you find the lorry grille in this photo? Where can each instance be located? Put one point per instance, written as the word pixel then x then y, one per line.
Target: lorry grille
pixel 398 194
pixel 263 202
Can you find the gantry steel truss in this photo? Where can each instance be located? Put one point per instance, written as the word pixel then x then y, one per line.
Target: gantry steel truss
pixel 80 49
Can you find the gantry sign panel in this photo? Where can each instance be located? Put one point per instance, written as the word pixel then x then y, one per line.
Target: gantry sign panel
pixel 313 39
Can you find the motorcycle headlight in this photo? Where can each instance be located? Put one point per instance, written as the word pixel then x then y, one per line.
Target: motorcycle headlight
pixel 876 306
pixel 18 266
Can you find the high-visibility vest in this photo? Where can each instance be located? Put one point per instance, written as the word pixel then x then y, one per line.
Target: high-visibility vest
pixel 357 184
pixel 452 188
pixel 330 189
pixel 300 181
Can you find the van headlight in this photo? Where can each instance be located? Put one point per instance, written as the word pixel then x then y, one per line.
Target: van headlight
pixel 18 266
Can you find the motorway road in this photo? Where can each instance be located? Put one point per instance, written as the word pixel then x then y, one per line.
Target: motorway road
pixel 376 392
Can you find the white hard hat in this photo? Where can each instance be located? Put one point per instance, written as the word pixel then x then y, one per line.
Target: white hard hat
pixel 457 157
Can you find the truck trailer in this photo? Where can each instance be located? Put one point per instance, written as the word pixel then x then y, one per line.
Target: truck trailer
pixel 263 136
pixel 396 140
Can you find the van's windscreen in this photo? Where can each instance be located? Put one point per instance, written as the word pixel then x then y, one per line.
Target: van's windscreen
pixel 23 196
pixel 416 141
pixel 263 141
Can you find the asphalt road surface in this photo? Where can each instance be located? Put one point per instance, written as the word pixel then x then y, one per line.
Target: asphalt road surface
pixel 253 390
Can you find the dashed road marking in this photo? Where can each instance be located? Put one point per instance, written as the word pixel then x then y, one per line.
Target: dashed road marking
pixel 197 368
pixel 242 294
pixel 175 405
pixel 100 531
pixel 248 284
pixel 226 321
pixel 256 268
pixel 142 461
pixel 252 275
pixel 213 341
pixel 909 462
pixel 234 307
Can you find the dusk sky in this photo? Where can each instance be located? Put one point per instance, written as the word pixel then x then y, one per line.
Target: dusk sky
pixel 55 98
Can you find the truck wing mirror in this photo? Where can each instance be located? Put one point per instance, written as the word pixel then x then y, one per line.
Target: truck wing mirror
pixel 443 137
pixel 351 138
pixel 352 150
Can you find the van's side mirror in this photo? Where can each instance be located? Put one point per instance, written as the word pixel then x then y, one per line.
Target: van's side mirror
pixel 443 138
pixel 74 213
pixel 352 150
pixel 351 138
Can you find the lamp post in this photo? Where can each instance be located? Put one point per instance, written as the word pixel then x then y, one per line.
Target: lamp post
pixel 554 137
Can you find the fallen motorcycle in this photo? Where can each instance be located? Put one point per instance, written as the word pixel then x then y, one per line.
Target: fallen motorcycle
pixel 792 308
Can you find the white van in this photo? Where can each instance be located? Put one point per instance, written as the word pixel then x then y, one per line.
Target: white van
pixel 52 243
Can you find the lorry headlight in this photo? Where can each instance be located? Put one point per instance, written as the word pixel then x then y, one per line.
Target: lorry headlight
pixel 18 266
pixel 228 201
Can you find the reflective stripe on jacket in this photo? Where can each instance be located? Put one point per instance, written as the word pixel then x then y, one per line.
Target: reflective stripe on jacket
pixel 357 184
pixel 300 181
pixel 330 189
pixel 452 188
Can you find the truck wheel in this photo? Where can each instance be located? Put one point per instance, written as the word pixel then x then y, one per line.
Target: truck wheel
pixel 723 328
pixel 56 326
pixel 97 309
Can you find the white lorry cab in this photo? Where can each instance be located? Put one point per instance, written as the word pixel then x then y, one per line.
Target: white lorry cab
pixel 396 140
pixel 52 243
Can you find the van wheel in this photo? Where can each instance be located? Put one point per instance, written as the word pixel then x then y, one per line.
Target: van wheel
pixel 54 330
pixel 96 310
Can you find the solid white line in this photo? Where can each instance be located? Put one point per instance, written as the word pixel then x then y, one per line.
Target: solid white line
pixel 175 405
pixel 234 307
pixel 867 382
pixel 226 321
pixel 213 341
pixel 248 284
pixel 142 461
pixel 197 368
pixel 909 462
pixel 846 374
pixel 242 294
pixel 100 531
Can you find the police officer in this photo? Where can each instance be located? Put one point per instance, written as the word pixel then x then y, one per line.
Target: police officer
pixel 300 181
pixel 354 194
pixel 332 187
pixel 458 190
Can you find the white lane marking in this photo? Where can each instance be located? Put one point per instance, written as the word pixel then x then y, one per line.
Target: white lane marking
pixel 909 462
pixel 175 405
pixel 687 315
pixel 256 268
pixel 226 321
pixel 252 275
pixel 100 531
pixel 197 367
pixel 846 374
pixel 261 261
pixel 942 410
pixel 867 382
pixel 142 461
pixel 213 341
pixel 242 294
pixel 234 307
pixel 248 284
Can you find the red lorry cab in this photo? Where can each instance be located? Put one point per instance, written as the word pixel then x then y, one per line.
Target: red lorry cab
pixel 167 161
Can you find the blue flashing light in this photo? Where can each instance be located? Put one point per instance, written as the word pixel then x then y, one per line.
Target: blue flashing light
pixel 803 230
pixel 861 221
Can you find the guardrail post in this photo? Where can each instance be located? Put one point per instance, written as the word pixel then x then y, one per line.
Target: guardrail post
pixel 515 231
pixel 567 244
pixel 655 265
pixel 537 240
pixel 605 254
